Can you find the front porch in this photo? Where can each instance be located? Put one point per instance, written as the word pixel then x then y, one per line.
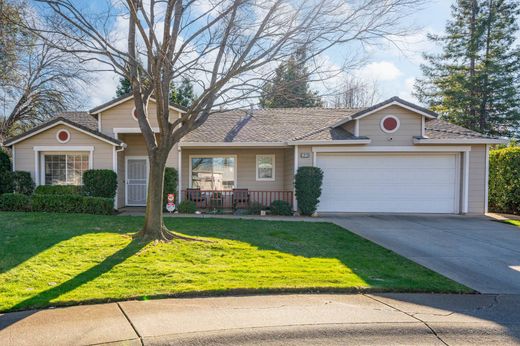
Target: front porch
pixel 235 199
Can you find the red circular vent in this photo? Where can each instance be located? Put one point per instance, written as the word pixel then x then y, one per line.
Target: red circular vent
pixel 389 124
pixel 63 136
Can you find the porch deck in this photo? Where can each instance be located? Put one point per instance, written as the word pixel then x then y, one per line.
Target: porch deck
pixel 234 199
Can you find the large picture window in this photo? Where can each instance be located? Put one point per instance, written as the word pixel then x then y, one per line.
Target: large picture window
pixel 65 169
pixel 213 173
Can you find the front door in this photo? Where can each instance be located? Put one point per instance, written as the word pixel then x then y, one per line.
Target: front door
pixel 136 180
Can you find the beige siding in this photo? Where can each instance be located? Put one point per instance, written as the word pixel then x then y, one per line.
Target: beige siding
pixel 136 147
pixel 246 167
pixel 25 153
pixel 120 116
pixel 410 126
pixel 289 169
pixel 477 179
pixel 304 161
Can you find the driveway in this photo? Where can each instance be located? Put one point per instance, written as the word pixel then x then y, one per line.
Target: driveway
pixel 478 252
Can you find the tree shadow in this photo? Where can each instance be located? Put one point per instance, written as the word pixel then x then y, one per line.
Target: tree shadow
pixel 44 298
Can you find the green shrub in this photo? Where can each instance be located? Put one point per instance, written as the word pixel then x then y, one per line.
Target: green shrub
pixel 307 184
pixel 5 162
pixel 187 207
pixel 15 202
pixel 504 180
pixel 170 183
pixel 254 208
pixel 6 182
pixel 58 190
pixel 72 204
pixel 280 208
pixel 23 183
pixel 100 183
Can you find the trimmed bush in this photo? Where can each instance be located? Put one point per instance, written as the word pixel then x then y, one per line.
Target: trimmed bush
pixel 58 190
pixel 187 207
pixel 72 204
pixel 280 208
pixel 504 180
pixel 170 183
pixel 307 184
pixel 23 183
pixel 15 202
pixel 254 208
pixel 100 183
pixel 5 162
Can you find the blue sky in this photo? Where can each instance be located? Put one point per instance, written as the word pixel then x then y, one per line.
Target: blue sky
pixel 394 70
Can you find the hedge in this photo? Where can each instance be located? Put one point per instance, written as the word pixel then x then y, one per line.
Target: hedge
pixel 307 184
pixel 504 180
pixel 6 176
pixel 187 207
pixel 15 202
pixel 170 183
pixel 72 204
pixel 280 207
pixel 58 190
pixel 100 183
pixel 23 183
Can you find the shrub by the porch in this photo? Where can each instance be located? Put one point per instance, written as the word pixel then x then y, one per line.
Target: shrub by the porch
pixel 254 208
pixel 280 208
pixel 72 204
pixel 307 184
pixel 100 183
pixel 23 183
pixel 15 202
pixel 58 190
pixel 6 176
pixel 187 207
pixel 504 180
pixel 170 183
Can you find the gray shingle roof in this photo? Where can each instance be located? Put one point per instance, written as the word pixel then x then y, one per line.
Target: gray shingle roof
pixel 268 125
pixel 329 134
pixel 441 129
pixel 82 118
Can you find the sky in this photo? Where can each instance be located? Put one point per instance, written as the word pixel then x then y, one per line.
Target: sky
pixel 393 69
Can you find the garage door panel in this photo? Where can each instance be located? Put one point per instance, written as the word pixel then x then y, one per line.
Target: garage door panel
pixel 388 182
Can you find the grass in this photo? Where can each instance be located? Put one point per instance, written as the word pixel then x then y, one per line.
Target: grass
pixel 513 222
pixel 62 259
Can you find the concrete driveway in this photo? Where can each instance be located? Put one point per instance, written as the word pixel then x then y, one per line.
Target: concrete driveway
pixel 478 252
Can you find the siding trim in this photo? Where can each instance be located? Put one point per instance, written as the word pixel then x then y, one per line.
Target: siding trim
pixel 117 130
pixel 13 153
pixel 296 165
pixel 486 191
pixel 392 149
pixel 465 195
pixel 459 141
pixel 179 176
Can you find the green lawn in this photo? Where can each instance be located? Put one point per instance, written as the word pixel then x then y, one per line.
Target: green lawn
pixel 60 259
pixel 514 222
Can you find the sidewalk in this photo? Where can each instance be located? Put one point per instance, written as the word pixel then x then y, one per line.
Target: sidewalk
pixel 278 319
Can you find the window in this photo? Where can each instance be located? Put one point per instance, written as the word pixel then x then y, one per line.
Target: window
pixel 213 173
pixel 65 169
pixel 265 167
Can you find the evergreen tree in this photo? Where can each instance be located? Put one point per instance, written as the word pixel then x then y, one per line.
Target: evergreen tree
pixel 124 87
pixel 182 95
pixel 290 86
pixel 474 81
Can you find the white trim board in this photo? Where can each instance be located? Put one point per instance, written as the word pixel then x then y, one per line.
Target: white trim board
pixel 117 130
pixel 61 123
pixel 128 98
pixel 233 144
pixel 392 149
pixel 331 142
pixel 459 141
pixel 486 191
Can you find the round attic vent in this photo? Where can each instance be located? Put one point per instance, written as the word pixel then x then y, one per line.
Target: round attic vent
pixel 63 136
pixel 390 124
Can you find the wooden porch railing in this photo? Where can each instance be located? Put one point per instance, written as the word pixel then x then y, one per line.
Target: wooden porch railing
pixel 238 199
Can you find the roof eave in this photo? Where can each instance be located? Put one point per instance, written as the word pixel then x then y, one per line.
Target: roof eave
pixel 460 141
pixel 122 99
pixel 330 142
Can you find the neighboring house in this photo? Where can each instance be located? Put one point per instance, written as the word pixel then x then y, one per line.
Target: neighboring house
pixel 391 157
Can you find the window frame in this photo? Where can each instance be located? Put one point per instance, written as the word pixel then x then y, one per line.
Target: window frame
pixel 213 156
pixel 68 153
pixel 273 158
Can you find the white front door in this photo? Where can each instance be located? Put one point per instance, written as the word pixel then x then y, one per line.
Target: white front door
pixel 397 183
pixel 136 180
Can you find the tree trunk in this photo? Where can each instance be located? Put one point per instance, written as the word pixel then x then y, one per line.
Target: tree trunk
pixel 154 228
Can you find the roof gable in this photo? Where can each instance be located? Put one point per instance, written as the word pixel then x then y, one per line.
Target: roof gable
pixel 394 101
pixel 62 121
pixel 126 97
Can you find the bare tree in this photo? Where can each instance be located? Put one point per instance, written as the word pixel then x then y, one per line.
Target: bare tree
pixel 228 47
pixel 356 93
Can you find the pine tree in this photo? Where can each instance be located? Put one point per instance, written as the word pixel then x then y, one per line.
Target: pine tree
pixel 182 95
pixel 474 81
pixel 124 87
pixel 290 86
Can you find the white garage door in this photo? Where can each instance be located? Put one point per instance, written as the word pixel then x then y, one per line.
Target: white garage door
pixel 398 183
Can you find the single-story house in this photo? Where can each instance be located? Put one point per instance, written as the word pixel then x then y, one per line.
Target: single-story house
pixel 392 157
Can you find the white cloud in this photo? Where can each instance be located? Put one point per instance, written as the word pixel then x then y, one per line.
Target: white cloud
pixel 380 71
pixel 407 89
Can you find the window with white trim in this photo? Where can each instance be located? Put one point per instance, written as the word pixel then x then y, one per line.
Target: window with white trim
pixel 213 173
pixel 65 169
pixel 265 167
